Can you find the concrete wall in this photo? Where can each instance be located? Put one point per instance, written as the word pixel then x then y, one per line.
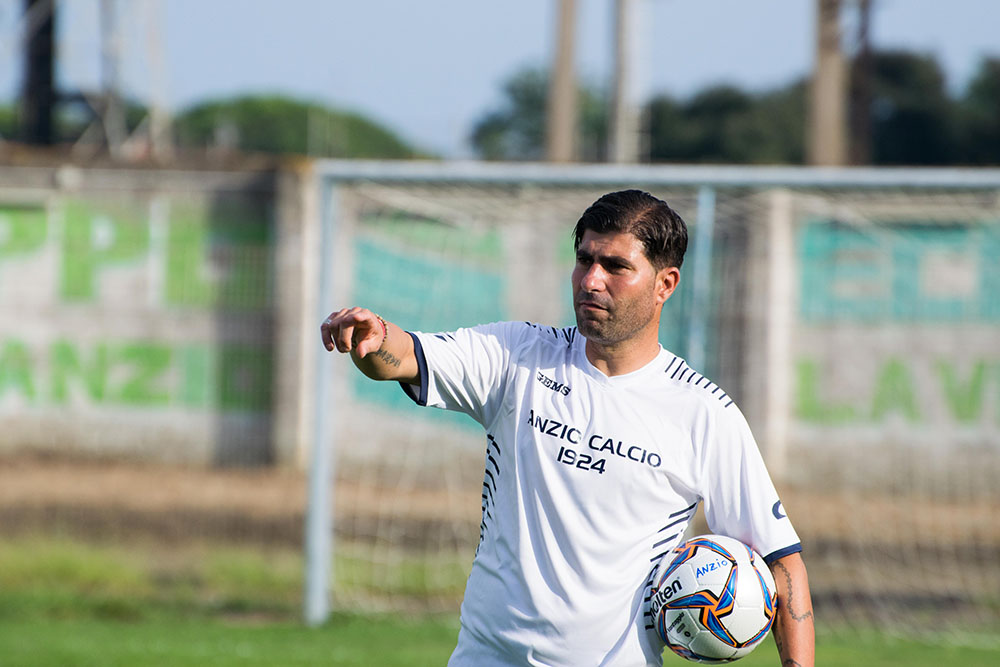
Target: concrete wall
pixel 173 315
pixel 875 329
pixel 152 313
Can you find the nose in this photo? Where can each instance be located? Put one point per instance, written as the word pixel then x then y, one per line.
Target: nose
pixel 592 279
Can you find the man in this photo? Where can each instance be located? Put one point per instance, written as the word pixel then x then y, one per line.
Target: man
pixel 600 445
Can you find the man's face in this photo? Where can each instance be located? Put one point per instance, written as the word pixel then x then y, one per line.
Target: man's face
pixel 617 292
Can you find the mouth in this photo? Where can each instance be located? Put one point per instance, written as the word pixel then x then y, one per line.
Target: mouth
pixel 589 306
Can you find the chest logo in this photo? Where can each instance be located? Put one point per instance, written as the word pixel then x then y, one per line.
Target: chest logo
pixel 549 383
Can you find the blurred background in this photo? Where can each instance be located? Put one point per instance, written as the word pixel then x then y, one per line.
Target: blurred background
pixel 187 189
pixel 711 82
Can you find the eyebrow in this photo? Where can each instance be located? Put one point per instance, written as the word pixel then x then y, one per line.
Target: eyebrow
pixel 604 259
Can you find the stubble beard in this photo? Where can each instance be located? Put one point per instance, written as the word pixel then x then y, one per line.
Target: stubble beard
pixel 620 323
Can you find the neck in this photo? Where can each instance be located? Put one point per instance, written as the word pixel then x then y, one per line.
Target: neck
pixel 620 358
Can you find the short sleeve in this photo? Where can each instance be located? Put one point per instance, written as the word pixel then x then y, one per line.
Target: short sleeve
pixel 464 370
pixel 740 499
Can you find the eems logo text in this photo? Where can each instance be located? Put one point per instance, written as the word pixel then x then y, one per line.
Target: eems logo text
pixel 549 383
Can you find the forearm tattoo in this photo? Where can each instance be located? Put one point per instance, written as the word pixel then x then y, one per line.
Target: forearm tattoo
pixel 388 358
pixel 788 662
pixel 790 594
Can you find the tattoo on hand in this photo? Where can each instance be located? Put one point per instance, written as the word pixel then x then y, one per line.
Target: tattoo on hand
pixel 788 587
pixel 388 358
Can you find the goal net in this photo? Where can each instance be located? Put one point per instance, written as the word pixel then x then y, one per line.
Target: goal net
pixel 854 318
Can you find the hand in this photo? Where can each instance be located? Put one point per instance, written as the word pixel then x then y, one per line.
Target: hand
pixel 353 329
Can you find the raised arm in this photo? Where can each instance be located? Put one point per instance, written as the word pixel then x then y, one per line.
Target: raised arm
pixel 793 625
pixel 380 349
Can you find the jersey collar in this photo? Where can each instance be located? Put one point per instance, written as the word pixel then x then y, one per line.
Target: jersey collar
pixel 656 365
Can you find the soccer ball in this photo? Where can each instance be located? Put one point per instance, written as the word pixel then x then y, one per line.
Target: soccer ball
pixel 712 599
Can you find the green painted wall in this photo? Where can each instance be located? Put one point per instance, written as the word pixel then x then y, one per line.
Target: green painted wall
pixel 211 257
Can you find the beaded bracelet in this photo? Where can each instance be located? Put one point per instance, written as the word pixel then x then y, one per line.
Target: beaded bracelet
pixel 385 330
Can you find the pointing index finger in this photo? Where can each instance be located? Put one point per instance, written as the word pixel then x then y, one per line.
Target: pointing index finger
pixel 328 329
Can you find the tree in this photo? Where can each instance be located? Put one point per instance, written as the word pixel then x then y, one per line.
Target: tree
pixel 777 124
pixel 77 113
pixel 715 118
pixel 516 130
pixel 8 123
pixel 286 126
pixel 668 131
pixel 912 116
pixel 724 124
pixel 979 113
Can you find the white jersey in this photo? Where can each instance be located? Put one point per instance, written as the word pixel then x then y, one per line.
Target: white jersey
pixel 589 481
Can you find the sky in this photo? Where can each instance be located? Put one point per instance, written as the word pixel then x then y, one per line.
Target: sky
pixel 429 70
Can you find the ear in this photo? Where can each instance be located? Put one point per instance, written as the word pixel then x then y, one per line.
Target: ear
pixel 667 280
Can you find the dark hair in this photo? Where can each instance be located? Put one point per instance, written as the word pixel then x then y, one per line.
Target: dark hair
pixel 657 226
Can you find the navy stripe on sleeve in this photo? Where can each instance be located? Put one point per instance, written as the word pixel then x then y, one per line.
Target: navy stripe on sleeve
pixel 411 391
pixel 781 553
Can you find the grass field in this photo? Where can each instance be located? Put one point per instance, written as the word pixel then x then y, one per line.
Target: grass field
pixel 167 639
pixel 66 603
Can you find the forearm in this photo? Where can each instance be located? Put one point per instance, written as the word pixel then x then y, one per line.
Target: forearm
pixel 793 623
pixel 393 360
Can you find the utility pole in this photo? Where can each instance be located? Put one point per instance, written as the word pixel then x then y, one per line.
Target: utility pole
pixel 38 96
pixel 624 130
pixel 112 113
pixel 161 144
pixel 827 138
pixel 560 134
pixel 861 89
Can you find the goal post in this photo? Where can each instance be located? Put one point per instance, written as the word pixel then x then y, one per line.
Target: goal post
pixel 852 314
pixel 319 512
